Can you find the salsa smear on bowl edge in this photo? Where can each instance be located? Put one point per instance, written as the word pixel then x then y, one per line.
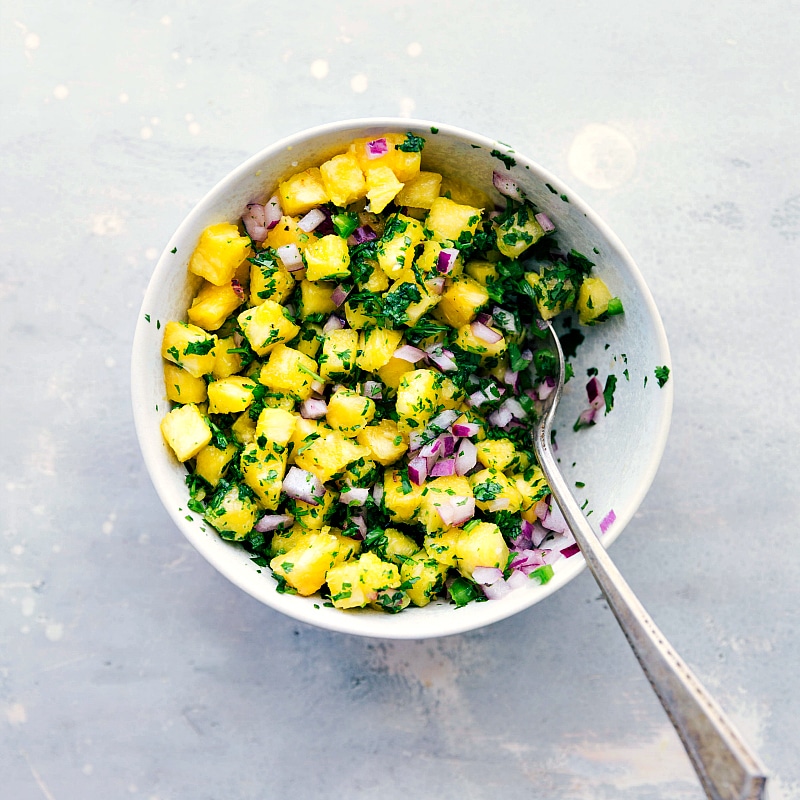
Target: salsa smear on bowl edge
pixel 353 388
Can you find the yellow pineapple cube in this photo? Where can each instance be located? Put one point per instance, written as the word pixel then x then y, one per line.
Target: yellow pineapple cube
pixel 315 298
pixel 417 399
pixel 186 431
pixel 214 304
pixel 393 371
pixel 415 309
pixel 235 514
pixel 287 232
pixel 284 539
pixel 532 488
pixel 190 347
pixel 441 545
pixel 309 340
pixel 269 280
pixel 358 317
pixel 593 299
pixel 420 191
pixel 276 425
pixel 553 290
pixel 377 281
pixel 517 232
pixel 499 454
pixel 464 193
pixel 382 187
pixel 439 492
pixel 376 347
pixel 313 517
pixel 397 547
pixel 401 497
pixel 490 353
pixel 302 192
pixel 339 350
pixel 384 440
pixel 396 254
pixel 263 471
pixel 495 492
pixel 266 326
pixel 226 362
pixel 343 180
pixel 230 395
pixel 353 584
pixel 480 544
pixel 405 165
pixel 349 412
pixel 327 259
pixel 328 455
pixel 182 387
pixel 428 261
pixel 484 272
pixel 211 462
pixel 461 301
pixel 290 371
pixel 304 566
pixel 219 253
pixel 424 576
pixel 448 221
pixel 244 428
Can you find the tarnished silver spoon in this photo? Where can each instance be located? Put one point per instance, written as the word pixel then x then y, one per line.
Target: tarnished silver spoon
pixel 728 769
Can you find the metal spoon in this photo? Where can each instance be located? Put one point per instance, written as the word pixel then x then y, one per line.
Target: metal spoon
pixel 728 769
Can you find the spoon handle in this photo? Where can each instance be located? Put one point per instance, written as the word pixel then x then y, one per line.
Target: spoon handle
pixel 727 768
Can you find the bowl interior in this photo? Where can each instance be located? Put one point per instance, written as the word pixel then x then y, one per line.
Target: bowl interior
pixel 616 460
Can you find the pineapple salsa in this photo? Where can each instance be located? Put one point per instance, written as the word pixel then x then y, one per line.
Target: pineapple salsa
pixel 354 385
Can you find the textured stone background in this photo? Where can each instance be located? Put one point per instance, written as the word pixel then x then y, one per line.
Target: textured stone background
pixel 128 667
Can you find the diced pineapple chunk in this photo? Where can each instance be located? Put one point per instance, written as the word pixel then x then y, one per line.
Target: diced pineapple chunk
pixel 214 304
pixel 490 353
pixel 394 370
pixel 359 316
pixel 424 576
pixel 417 399
pixel 553 290
pixel 494 491
pixel 593 300
pixel 464 193
pixel 310 516
pixel 290 371
pixel 244 428
pixel 327 259
pixel 269 280
pixel 263 471
pixel 235 513
pixel 441 545
pixel 287 231
pixel 343 179
pixel 499 454
pixel 230 395
pixel 309 340
pixel 182 387
pixel 382 188
pixel 266 326
pixel 484 272
pixel 396 252
pixel 396 547
pixel 517 232
pixel 384 440
pixel 189 347
pixel 226 362
pixel 349 412
pixel 376 347
pixel 480 544
pixel 461 301
pixel 401 497
pixel 449 221
pixel 276 425
pixel 356 583
pixel 413 310
pixel 284 539
pixel 532 488
pixel 211 462
pixel 329 455
pixel 302 192
pixel 339 350
pixel 219 253
pixel 186 431
pixel 404 164
pixel 304 566
pixel 439 493
pixel 421 190
pixel 315 298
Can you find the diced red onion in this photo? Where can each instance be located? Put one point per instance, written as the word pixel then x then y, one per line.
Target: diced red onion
pixel 497 590
pixel 527 560
pixel 339 295
pixel 504 320
pixel 488 395
pixel 455 510
pixel 545 388
pixel 554 521
pixel 377 493
pixel 354 495
pixel 442 358
pixel 302 485
pixel 587 417
pixel 594 391
pixel 238 289
pixel 545 222
pixel 313 408
pixel 570 550
pixel 436 285
pixel 485 333
pixel 361 525
pixel 466 457
pixel 432 449
pixel 507 186
pixel 254 219
pixel 443 420
pixel 317 387
pixel 373 390
pixel 416 440
pixel 486 576
pixel 500 417
pixel 515 407
pixel 377 148
pixel 511 378
pixel 607 521
pixel 272 212
pixel 466 429
pixel 517 579
pixel 409 353
pixel 311 220
pixel 541 509
pixel 446 260
pixel 444 467
pixel 290 257
pixel 363 233
pixel 334 323
pixel 483 318
pixel 418 470
pixel 273 522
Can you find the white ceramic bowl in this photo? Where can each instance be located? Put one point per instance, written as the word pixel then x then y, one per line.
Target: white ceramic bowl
pixel 616 460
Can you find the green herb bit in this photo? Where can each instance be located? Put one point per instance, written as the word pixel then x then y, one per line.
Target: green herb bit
pixel 608 392
pixel 509 161
pixel 412 144
pixel 662 375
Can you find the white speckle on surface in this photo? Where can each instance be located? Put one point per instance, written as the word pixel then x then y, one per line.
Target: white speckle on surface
pixel 108 525
pixel 144 538
pixel 107 223
pixel 151 254
pixel 54 631
pixel 16 714
pixel 43 456
pixel 123 97
pixel 60 92
pixel 155 121
pixel 414 49
pixel 407 106
pixel 359 83
pixel 175 55
pixel 87 769
pixel 32 41
pixel 146 132
pixel 602 157
pixel 194 128
pixel 166 20
pixel 17 550
pixel 319 68
pixel 56 548
pixel 28 606
pixel 25 629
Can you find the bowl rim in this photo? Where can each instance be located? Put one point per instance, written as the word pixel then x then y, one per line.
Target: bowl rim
pixel 378 624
